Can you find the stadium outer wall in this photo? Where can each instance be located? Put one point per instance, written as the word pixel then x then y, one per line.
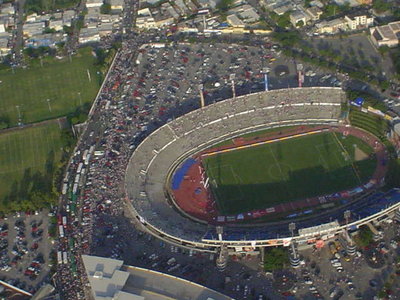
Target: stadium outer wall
pixel 173 227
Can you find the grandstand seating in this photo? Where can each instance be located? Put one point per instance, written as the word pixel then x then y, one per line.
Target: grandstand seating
pixel 147 170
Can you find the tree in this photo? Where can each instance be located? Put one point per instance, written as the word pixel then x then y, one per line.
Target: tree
pixel 105 8
pixel 224 5
pixel 380 6
pixel 275 259
pixel 300 23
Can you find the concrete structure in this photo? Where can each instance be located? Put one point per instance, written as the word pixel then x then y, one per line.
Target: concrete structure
pixel 111 280
pixel 386 35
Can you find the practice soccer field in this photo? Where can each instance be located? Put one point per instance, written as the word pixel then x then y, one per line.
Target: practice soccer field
pixel 27 148
pixel 265 175
pixel 56 89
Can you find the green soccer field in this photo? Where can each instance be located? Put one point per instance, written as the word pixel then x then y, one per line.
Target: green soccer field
pixel 24 149
pixel 56 89
pixel 298 168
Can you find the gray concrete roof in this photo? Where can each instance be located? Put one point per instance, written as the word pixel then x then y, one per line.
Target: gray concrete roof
pixel 155 285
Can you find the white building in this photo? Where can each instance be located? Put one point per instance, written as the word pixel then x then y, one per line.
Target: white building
pixel 359 21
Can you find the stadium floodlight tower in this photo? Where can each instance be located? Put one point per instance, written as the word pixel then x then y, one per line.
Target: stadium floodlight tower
pixel 350 247
pixel 294 257
pixel 232 79
pixel 265 71
pixel 202 102
pixel 222 259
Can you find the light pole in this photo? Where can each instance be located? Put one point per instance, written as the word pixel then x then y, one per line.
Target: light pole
pixel 351 248
pixel 294 258
pixel 48 103
pixel 19 113
pixel 80 98
pixel 232 79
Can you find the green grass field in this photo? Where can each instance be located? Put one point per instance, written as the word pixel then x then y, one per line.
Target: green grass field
pixel 269 174
pixel 27 148
pixel 66 84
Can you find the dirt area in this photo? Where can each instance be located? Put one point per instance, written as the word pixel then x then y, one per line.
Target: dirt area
pixel 359 154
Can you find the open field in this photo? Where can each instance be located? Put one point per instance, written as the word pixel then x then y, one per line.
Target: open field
pixel 28 148
pixel 266 175
pixel 56 89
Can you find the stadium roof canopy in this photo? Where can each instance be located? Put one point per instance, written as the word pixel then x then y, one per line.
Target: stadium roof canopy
pixel 106 279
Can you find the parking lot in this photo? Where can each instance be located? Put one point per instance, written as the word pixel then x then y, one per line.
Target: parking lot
pixel 25 248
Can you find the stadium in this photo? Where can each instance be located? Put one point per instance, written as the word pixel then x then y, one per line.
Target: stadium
pixel 198 181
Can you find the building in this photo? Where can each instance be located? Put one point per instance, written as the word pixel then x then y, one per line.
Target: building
pixel 117 6
pixel 234 21
pixel 4 48
pixel 57 25
pixel 280 10
pixel 111 280
pixel 145 19
pixel 297 17
pixel 33 29
pixel 365 2
pixel 359 21
pixel 331 27
pixel 94 3
pixel 314 12
pixel 386 35
pixel 89 35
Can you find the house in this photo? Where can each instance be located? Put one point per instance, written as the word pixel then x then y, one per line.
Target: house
pixel 234 21
pixel 314 12
pixel 246 13
pixel 297 17
pixel 359 21
pixel 386 35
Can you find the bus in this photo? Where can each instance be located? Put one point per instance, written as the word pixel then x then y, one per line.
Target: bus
pixel 65 257
pixel 61 231
pixel 64 221
pixel 79 168
pixel 59 258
